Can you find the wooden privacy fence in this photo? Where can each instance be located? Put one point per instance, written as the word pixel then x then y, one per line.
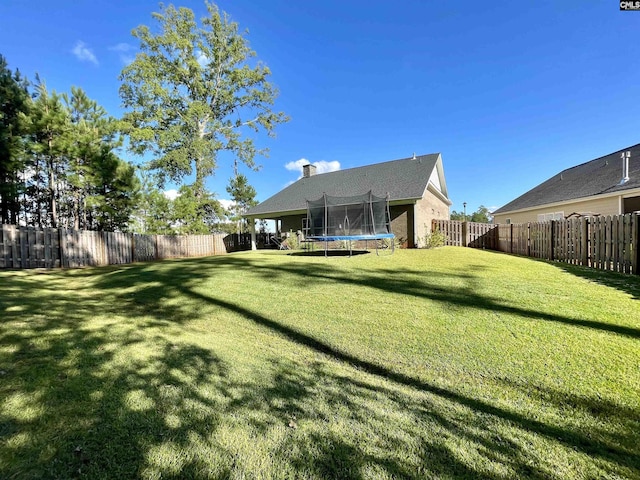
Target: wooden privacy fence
pixel 29 247
pixel 605 242
pixel 467 234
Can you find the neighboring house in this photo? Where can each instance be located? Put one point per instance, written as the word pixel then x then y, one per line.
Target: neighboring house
pixel 608 185
pixel 416 187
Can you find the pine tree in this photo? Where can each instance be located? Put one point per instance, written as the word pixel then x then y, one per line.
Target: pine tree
pixel 243 196
pixel 193 215
pixel 94 137
pixel 114 193
pixel 154 211
pixel 14 107
pixel 50 128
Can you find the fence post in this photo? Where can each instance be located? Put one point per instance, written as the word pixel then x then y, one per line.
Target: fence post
pixel 511 238
pixel 585 240
pixel 635 239
pixel 103 244
pixel 465 234
pixel 61 238
pixel 553 240
pixel 14 247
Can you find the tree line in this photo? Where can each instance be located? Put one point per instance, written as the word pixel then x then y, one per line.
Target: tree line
pixel 58 161
pixel 191 93
pixel 481 215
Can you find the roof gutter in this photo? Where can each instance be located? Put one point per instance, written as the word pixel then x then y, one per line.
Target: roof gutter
pixel 274 214
pixel 632 192
pixel 433 189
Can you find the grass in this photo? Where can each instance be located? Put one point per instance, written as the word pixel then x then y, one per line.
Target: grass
pixel 447 363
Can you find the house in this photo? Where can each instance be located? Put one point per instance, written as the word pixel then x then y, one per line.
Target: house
pixel 608 185
pixel 416 188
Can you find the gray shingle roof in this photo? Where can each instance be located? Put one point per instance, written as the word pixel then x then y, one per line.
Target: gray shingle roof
pixel 402 179
pixel 599 176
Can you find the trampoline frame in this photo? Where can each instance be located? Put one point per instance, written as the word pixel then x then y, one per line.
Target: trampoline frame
pixel 377 237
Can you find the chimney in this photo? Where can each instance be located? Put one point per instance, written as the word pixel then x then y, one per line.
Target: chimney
pixel 625 166
pixel 308 170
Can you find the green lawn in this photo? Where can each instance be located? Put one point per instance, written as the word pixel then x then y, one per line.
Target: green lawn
pixel 447 363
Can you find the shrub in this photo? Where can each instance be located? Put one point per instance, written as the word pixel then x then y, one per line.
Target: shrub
pixel 292 240
pixel 434 239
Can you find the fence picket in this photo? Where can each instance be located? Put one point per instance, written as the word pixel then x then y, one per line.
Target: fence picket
pixel 603 242
pixel 634 247
pixel 30 247
pixel 628 244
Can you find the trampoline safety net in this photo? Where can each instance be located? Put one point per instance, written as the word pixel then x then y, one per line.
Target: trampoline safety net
pixel 357 215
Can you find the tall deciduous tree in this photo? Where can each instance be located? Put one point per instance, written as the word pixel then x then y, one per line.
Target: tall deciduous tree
pixel 14 106
pixel 191 93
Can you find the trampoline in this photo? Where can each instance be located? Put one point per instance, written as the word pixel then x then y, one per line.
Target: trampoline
pixel 360 217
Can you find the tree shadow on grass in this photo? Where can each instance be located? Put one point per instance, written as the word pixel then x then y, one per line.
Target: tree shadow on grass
pixel 81 400
pixel 597 411
pixel 420 286
pixel 119 401
pixel 627 283
pixel 610 450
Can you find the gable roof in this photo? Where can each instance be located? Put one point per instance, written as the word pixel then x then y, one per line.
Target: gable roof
pixel 597 177
pixel 404 179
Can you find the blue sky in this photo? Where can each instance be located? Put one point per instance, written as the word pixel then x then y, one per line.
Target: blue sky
pixel 509 92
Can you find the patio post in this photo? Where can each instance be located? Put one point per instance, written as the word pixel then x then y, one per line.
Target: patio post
pixel 252 229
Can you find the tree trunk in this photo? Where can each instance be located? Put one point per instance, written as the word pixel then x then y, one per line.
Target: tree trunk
pixel 76 210
pixel 52 192
pixel 84 213
pixel 4 204
pixel 14 206
pixel 38 203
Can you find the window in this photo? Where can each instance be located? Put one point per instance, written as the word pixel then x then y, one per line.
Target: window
pixel 546 217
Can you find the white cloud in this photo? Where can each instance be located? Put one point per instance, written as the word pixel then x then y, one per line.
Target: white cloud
pixel 297 165
pixel 122 47
pixel 322 166
pixel 202 59
pixel 227 204
pixel 126 51
pixel 84 53
pixel 325 167
pixel 171 194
